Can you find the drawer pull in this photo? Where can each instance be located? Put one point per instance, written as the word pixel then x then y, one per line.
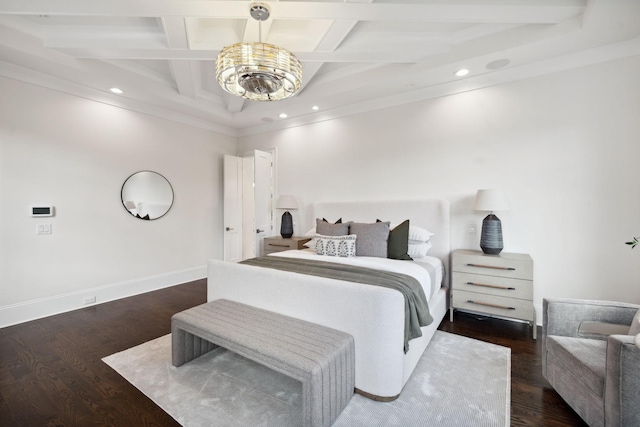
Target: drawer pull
pixel 279 246
pixel 491 305
pixel 491 266
pixel 486 285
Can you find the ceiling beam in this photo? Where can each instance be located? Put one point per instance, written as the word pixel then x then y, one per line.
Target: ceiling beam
pixel 489 11
pixel 176 34
pixel 208 55
pixel 235 103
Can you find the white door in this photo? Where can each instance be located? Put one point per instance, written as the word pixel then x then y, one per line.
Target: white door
pixel 262 198
pixel 232 216
pixel 248 220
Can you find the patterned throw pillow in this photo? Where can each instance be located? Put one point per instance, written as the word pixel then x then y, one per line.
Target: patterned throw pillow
pixel 341 246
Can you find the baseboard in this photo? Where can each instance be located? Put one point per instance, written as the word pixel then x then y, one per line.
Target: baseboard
pixel 43 307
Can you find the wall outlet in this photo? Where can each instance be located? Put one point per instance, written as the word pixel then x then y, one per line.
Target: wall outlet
pixel 89 300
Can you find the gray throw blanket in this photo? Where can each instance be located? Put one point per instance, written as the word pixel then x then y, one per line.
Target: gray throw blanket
pixel 416 308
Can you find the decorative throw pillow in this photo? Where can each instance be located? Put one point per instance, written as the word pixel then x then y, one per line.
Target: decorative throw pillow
pixel 341 246
pixel 372 238
pixel 398 243
pixel 339 221
pixel 327 229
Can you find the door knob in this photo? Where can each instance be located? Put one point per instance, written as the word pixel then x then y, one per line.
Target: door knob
pixel 258 231
pixel 229 228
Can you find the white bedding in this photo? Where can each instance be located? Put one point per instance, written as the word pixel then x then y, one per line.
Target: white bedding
pixel 418 269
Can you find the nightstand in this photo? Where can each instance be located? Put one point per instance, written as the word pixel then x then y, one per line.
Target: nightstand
pixel 279 244
pixel 500 285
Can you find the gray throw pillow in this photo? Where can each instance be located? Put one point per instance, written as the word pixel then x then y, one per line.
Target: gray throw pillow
pixel 327 229
pixel 371 239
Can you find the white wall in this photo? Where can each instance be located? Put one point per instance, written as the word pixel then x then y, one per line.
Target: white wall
pixel 565 148
pixel 75 154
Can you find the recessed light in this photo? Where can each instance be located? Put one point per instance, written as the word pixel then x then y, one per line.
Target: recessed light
pixel 498 63
pixel 117 90
pixel 282 116
pixel 462 72
pixel 315 108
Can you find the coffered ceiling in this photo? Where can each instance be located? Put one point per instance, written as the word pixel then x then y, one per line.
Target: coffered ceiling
pixel 357 55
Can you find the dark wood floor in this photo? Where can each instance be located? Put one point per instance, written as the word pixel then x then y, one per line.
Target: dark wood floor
pixel 51 372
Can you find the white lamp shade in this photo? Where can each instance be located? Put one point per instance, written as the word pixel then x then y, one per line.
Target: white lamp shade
pixel 490 200
pixel 287 202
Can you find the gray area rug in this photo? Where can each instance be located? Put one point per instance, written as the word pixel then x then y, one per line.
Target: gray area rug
pixel 459 381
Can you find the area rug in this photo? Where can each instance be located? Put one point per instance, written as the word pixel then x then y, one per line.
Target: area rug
pixel 459 381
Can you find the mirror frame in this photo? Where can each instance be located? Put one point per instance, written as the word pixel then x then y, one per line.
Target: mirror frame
pixel 147 216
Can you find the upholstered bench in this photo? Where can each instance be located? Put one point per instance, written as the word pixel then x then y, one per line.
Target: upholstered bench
pixel 321 358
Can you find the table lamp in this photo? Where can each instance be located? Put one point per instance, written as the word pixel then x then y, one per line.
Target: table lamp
pixel 286 226
pixel 491 238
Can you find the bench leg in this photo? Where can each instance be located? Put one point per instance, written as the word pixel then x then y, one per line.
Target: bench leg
pixel 186 346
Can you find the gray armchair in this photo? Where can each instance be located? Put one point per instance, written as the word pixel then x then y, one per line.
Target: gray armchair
pixel 590 358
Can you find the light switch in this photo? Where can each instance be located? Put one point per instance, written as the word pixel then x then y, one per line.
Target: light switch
pixel 471 228
pixel 42 229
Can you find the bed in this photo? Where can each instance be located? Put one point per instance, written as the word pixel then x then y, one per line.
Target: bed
pixel 375 316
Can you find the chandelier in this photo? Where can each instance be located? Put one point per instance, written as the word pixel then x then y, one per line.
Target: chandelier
pixel 258 71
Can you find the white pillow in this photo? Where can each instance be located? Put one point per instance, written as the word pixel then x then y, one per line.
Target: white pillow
pixel 311 244
pixel 418 250
pixel 341 246
pixel 418 234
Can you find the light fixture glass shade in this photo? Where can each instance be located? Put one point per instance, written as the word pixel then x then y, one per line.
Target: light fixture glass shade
pixel 287 202
pixel 490 200
pixel 258 71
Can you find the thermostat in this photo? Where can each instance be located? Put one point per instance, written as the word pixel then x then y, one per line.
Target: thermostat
pixel 41 210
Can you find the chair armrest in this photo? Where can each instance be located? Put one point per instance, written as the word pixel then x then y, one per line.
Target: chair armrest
pixel 563 316
pixel 622 384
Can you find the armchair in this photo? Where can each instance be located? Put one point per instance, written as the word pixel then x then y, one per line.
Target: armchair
pixel 590 358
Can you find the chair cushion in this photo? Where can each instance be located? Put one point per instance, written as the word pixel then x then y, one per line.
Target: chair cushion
pixel 584 358
pixel 601 330
pixel 635 324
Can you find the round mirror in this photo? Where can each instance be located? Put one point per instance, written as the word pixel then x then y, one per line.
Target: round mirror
pixel 147 195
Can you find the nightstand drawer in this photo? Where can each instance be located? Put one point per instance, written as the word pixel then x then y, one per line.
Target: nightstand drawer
pixel 519 266
pixel 501 306
pixel 278 244
pixel 493 285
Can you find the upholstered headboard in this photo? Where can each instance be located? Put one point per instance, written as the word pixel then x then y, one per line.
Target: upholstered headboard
pixel 432 214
